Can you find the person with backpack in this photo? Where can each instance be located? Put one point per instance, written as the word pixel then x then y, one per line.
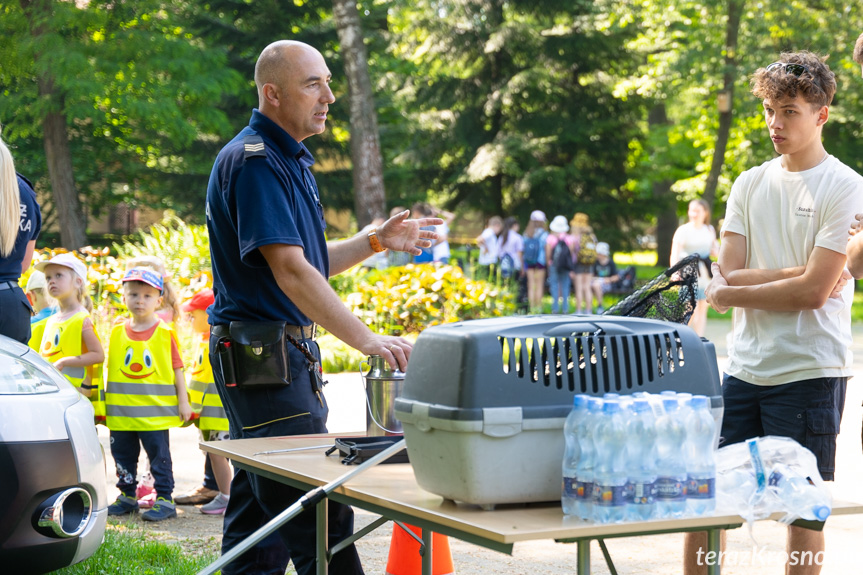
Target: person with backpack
pixel 558 252
pixel 535 236
pixel 585 257
pixel 511 250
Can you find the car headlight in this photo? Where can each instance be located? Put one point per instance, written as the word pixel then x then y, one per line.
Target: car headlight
pixel 20 377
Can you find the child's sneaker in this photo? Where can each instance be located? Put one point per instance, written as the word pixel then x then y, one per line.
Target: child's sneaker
pixel 162 509
pixel 147 501
pixel 123 505
pixel 217 506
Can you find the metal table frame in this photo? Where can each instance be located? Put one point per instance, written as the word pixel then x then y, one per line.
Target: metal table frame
pixel 288 468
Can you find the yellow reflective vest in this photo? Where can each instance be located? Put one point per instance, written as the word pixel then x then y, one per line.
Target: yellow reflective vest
pixel 63 339
pixel 36 331
pixel 203 396
pixel 140 393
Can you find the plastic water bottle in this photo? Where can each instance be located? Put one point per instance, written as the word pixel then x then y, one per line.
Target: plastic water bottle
pixel 585 468
pixel 572 454
pixel 641 452
pixel 701 460
pixel 800 497
pixel 610 441
pixel 671 467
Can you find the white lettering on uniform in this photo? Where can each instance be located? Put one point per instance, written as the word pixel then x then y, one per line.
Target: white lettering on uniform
pixel 26 224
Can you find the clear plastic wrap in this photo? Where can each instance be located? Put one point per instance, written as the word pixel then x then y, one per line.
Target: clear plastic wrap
pixel 764 475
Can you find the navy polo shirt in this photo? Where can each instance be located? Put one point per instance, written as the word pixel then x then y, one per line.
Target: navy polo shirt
pixel 29 226
pixel 258 197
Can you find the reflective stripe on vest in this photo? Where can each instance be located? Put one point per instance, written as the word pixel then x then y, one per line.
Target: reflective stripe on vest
pixel 140 394
pixel 203 396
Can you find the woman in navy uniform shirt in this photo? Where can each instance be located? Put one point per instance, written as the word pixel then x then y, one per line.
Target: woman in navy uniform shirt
pixel 20 223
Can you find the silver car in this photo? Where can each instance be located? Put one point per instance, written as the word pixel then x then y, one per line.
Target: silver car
pixel 53 493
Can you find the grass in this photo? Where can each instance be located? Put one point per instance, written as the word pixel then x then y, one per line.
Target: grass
pixel 128 549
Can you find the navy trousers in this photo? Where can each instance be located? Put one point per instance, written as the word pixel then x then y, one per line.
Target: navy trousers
pixel 272 412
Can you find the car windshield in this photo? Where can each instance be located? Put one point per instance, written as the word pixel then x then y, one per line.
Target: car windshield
pixel 18 376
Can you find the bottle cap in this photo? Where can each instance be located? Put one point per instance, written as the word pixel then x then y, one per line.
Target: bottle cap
pixel 670 403
pixel 611 406
pixel 821 512
pixel 579 401
pixel 594 404
pixel 699 402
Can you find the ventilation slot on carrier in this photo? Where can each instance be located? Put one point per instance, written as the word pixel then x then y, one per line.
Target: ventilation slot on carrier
pixel 593 364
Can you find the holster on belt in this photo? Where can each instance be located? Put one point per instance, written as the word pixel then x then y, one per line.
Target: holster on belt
pixel 256 354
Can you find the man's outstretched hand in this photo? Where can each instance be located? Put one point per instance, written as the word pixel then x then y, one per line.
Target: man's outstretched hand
pixel 403 235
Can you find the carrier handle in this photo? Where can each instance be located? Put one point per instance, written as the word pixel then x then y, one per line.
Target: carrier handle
pixel 587 328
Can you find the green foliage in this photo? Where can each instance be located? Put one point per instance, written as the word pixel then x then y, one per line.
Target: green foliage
pixel 510 105
pixel 130 550
pixel 406 300
pixel 184 249
pixel 136 90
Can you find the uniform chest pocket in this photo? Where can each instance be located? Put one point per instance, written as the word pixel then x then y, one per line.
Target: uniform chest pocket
pixel 260 354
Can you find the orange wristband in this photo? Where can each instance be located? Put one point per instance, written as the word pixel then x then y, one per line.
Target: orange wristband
pixel 374 242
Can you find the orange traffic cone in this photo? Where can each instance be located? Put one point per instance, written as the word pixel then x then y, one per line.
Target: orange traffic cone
pixel 404 558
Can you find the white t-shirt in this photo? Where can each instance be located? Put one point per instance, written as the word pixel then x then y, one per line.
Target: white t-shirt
pixel 694 240
pixel 514 246
pixel 440 251
pixel 488 252
pixel 699 241
pixel 784 216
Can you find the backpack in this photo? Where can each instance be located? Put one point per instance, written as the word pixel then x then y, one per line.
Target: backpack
pixel 507 266
pixel 586 249
pixel 561 257
pixel 532 247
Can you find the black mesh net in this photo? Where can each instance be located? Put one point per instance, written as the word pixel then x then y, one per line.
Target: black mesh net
pixel 670 296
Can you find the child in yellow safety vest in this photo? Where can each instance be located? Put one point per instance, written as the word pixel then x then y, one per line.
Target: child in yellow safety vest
pixel 69 340
pixel 211 417
pixel 42 304
pixel 145 395
pixel 168 312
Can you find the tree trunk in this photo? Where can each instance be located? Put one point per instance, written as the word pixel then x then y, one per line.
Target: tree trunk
pixel 369 194
pixel 56 141
pixel 735 8
pixel 666 201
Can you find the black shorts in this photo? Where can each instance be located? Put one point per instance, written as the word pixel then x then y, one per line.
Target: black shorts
pixel 807 411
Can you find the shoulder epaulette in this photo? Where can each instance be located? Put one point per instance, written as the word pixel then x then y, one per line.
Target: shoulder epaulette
pixel 254 147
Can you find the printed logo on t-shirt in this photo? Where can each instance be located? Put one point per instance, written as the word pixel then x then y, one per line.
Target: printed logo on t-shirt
pixel 805 212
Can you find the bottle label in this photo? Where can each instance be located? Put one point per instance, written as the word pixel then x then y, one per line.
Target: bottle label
pixel 643 493
pixel 570 487
pixel 701 488
pixel 584 490
pixel 611 495
pixel 670 489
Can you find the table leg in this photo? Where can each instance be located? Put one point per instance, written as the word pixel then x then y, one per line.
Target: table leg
pixel 583 563
pixel 427 555
pixel 713 545
pixel 321 524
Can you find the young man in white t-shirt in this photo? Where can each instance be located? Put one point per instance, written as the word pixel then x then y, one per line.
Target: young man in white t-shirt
pixel 782 268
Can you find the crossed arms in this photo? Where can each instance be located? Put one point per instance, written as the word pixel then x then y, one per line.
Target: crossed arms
pixel 787 289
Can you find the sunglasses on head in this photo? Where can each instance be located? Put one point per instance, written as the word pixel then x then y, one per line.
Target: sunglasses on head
pixel 796 69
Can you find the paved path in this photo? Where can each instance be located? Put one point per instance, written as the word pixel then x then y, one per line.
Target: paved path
pixel 657 555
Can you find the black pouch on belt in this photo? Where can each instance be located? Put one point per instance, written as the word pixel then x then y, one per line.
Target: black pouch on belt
pixel 260 353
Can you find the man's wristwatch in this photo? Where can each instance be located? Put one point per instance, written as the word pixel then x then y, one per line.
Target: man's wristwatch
pixel 374 242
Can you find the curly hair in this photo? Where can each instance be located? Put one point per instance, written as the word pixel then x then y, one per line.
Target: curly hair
pixel 816 85
pixel 858 50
